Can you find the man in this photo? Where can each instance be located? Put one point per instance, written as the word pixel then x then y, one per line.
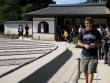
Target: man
pixel 100 50
pixel 89 40
pixel 80 29
pixel 26 30
pixel 20 30
pixel 105 46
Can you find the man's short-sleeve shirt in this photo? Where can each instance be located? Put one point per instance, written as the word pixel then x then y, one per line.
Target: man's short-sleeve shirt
pixel 88 37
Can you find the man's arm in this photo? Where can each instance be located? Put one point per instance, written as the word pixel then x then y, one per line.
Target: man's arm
pixel 82 45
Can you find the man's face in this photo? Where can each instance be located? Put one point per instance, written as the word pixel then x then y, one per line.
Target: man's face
pixel 88 25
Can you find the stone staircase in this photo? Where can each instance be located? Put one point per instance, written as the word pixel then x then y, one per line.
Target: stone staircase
pixel 14 53
pixel 23 61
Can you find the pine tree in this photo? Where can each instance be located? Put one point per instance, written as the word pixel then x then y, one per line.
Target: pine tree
pixel 91 1
pixel 12 10
pixel 108 4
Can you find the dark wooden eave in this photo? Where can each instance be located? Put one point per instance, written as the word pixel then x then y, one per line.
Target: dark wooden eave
pixel 55 10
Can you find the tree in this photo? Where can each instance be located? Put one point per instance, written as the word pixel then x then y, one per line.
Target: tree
pixel 92 1
pixel 12 10
pixel 108 4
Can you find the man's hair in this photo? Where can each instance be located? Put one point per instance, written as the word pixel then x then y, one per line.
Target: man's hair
pixel 89 19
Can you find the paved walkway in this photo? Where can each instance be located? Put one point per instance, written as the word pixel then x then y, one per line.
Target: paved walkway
pixel 103 75
pixel 22 67
pixel 68 72
pixel 14 53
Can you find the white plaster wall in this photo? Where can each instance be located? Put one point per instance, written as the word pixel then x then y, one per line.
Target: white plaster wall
pixel 12 28
pixel 35 26
pixel 50 21
pixel 51 26
pixel 44 36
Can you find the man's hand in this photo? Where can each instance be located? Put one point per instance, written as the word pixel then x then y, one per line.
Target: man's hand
pixel 87 46
pixel 93 45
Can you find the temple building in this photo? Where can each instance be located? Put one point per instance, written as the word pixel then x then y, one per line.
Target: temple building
pixel 50 21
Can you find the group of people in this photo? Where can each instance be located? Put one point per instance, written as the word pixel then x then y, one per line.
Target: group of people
pixel 68 35
pixel 90 40
pixel 95 44
pixel 104 48
pixel 21 30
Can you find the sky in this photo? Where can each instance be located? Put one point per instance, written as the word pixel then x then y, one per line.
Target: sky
pixel 69 1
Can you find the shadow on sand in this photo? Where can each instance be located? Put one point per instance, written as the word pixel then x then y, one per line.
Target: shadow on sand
pixel 47 71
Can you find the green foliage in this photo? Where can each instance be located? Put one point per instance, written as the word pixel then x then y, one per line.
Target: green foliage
pixel 108 4
pixel 13 10
pixel 27 8
pixel 92 1
pixel 75 39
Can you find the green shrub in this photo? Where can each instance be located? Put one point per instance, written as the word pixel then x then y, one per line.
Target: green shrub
pixel 74 39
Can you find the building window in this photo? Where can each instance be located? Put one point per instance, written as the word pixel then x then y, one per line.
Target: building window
pixel 43 27
pixel 69 21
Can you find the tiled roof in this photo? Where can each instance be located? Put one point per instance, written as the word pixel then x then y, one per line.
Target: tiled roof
pixel 9 22
pixel 71 9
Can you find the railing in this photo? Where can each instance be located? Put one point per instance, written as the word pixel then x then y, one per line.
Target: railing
pixel 77 72
pixel 79 60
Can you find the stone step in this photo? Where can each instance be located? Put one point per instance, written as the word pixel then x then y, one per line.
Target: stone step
pixel 23 47
pixel 27 52
pixel 39 66
pixel 15 54
pixel 4 69
pixel 23 43
pixel 37 49
pixel 15 61
pixel 20 56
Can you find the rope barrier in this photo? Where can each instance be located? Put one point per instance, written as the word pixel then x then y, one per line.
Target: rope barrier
pixel 78 72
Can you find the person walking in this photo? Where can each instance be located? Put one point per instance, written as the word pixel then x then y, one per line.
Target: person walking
pixel 26 30
pixel 89 39
pixel 101 48
pixel 106 44
pixel 80 29
pixel 65 35
pixel 20 31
